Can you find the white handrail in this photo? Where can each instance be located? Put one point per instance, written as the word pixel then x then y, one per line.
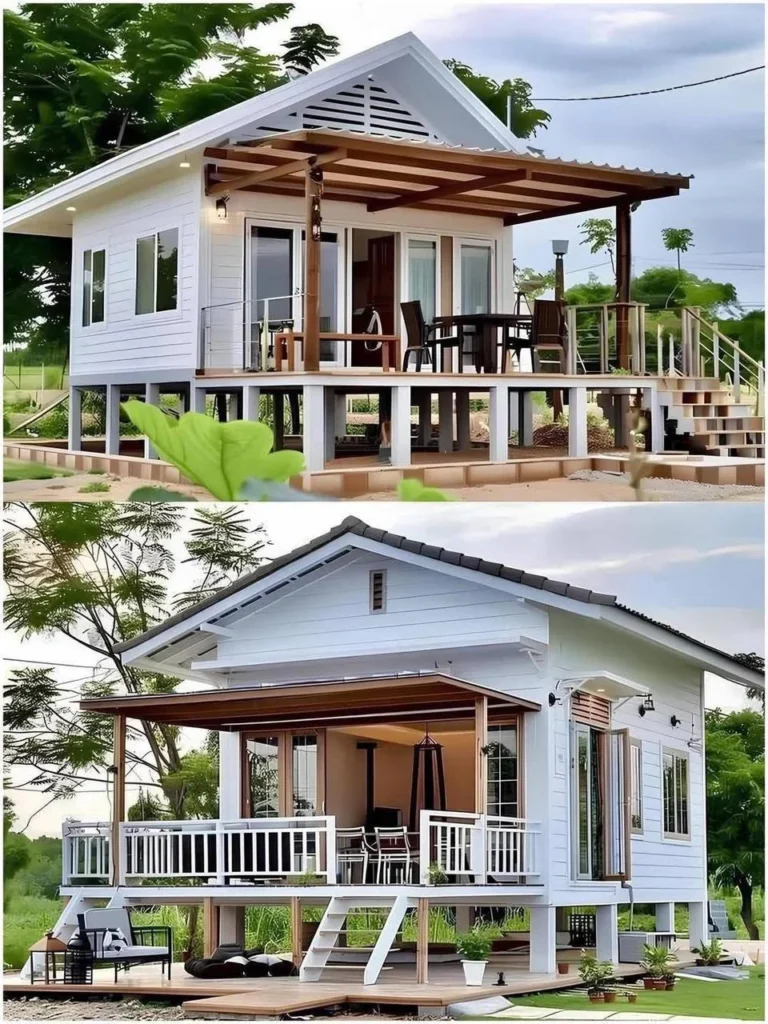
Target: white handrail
pixel 462 843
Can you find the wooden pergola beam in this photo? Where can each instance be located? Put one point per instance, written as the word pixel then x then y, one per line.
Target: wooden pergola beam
pixel 452 188
pixel 596 204
pixel 282 170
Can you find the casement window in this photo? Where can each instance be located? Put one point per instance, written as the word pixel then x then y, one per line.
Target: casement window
pixel 378 590
pixel 636 786
pixel 503 771
pixel 674 773
pixel 94 272
pixel 157 271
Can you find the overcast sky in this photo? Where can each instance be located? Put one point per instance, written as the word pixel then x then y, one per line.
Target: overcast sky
pixel 714 132
pixel 696 567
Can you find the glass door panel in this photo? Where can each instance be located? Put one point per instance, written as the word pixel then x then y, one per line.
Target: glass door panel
pixel 304 772
pixel 422 275
pixel 503 771
pixel 476 261
pixel 264 775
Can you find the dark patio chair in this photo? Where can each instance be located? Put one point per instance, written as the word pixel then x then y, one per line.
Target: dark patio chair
pixel 422 340
pixel 547 340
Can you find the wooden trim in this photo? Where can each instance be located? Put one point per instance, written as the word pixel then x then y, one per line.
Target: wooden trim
pixel 280 171
pixel 481 760
pixel 452 188
pixel 296 918
pixel 596 204
pixel 624 733
pixel 118 809
pixel 210 927
pixel 422 941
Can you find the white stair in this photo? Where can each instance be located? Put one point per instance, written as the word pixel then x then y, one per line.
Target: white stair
pixel 332 925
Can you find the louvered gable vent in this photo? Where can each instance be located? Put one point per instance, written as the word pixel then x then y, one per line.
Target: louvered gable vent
pixel 589 709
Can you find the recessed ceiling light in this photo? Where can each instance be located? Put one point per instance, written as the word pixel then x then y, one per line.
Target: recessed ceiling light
pixel 601 689
pixel 71 209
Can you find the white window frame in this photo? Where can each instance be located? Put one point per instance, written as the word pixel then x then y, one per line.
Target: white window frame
pixel 577 729
pixel 297 272
pixel 158 314
pixel 489 243
pixel 681 755
pixel 92 248
pixel 419 236
pixel 637 744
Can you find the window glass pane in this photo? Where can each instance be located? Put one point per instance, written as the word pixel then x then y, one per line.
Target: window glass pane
pixel 502 771
pixel 636 797
pixel 167 269
pixel 305 775
pixel 422 275
pixel 682 775
pixel 263 766
pixel 271 271
pixel 475 279
pixel 583 802
pixel 145 274
pixel 99 264
pixel 668 772
pixel 87 261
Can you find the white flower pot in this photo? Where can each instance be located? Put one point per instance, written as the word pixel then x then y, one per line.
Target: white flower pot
pixel 474 971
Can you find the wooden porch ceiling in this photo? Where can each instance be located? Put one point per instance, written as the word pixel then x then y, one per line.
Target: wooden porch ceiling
pixel 323 703
pixel 385 173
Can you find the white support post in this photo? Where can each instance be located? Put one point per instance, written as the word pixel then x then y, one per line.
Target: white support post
pixel 513 406
pixel 665 917
pixel 151 397
pixel 573 341
pixel 653 405
pixel 220 854
pixel 543 944
pixel 463 433
pixel 607 933
pixel 75 427
pixel 197 400
pixel 401 425
pixel 424 405
pixel 329 423
pixel 445 421
pixel 424 847
pixel 340 414
pixel 231 925
pixel 526 419
pixel 672 372
pixel 464 918
pixel 478 846
pixel 330 849
pixel 314 428
pixel 577 422
pixel 251 396
pixel 112 418
pixel 659 350
pixel 698 924
pixel 498 423
pixel 230 776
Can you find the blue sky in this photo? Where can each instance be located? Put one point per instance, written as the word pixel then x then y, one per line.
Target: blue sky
pixel 714 132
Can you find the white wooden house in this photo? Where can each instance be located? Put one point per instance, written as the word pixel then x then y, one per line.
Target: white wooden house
pixel 570 730
pixel 374 180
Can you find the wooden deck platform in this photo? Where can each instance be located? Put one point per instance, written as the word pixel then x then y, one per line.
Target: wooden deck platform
pixel 256 998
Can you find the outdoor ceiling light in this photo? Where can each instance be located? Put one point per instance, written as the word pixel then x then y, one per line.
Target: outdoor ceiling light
pixel 559 246
pixel 71 209
pixel 184 163
pixel 221 207
pixel 647 705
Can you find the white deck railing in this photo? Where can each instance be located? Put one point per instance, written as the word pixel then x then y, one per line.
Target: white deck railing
pixel 467 848
pixel 476 848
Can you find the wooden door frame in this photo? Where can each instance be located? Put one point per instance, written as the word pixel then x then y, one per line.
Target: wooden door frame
pixel 284 769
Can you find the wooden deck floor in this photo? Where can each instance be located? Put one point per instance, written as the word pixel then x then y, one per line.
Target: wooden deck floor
pixel 258 997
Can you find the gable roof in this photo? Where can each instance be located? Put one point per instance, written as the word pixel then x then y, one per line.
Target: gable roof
pixel 356 527
pixel 411 61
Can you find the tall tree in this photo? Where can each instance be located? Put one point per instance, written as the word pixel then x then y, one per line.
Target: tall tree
pixel 87 81
pixel 735 775
pixel 599 233
pixel 678 240
pixel 509 100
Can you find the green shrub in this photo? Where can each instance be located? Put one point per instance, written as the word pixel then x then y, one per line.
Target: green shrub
pixel 474 945
pixel 97 487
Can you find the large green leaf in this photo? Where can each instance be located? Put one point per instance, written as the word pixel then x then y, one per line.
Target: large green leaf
pixel 218 456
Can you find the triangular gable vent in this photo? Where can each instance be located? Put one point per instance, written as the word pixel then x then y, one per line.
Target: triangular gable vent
pixel 358 107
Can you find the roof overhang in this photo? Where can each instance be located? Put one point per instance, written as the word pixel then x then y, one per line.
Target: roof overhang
pixel 402 698
pixel 384 173
pixel 603 684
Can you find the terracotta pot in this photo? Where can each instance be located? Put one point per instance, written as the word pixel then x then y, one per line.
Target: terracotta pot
pixel 670 982
pixel 631 997
pixel 610 997
pixel 596 997
pixel 648 983
pixel 660 984
pixel 563 968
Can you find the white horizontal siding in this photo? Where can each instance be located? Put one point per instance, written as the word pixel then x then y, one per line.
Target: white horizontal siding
pixel 125 342
pixel 331 619
pixel 661 868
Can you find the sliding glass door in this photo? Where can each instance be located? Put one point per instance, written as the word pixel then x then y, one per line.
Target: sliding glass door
pixel 285 775
pixel 422 274
pixel 475 271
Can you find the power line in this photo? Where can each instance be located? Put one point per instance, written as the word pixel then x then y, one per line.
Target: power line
pixel 53 664
pixel 645 92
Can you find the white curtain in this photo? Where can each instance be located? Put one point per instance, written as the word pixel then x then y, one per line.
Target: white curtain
pixel 475 279
pixel 422 275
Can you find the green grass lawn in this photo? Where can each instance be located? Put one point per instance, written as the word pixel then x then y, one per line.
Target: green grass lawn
pixel 14 469
pixel 737 1000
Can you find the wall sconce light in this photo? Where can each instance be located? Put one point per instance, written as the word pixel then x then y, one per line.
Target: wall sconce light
pixel 71 209
pixel 675 721
pixel 647 705
pixel 221 207
pixel 553 699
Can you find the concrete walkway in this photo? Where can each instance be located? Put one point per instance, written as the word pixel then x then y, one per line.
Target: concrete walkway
pixel 524 1013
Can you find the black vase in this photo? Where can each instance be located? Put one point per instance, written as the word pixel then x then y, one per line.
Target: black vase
pixel 78 959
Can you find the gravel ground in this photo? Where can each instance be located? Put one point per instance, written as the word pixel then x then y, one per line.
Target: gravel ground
pixel 676 490
pixel 83 1009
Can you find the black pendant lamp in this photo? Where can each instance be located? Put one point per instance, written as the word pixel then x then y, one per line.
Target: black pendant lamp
pixel 427 780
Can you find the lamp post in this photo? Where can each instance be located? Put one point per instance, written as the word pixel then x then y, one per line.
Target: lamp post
pixel 559 248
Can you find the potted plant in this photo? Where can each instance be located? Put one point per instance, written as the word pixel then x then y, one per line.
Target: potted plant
pixel 709 953
pixel 595 974
pixel 609 996
pixel 474 948
pixel 563 968
pixel 669 978
pixel 436 874
pixel 657 962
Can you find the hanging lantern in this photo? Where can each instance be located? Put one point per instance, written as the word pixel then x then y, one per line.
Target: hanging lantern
pixel 428 779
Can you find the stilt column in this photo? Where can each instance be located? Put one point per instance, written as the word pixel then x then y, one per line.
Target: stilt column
pixel 401 425
pixel 607 933
pixel 577 422
pixel 498 424
pixel 75 430
pixel 151 397
pixel 112 425
pixel 543 945
pixel 665 917
pixel 314 428
pixel 698 923
pixel 251 396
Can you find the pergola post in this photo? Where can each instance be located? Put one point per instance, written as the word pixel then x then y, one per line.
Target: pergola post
pixel 296 943
pixel 118 802
pixel 313 187
pixel 623 280
pixel 481 759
